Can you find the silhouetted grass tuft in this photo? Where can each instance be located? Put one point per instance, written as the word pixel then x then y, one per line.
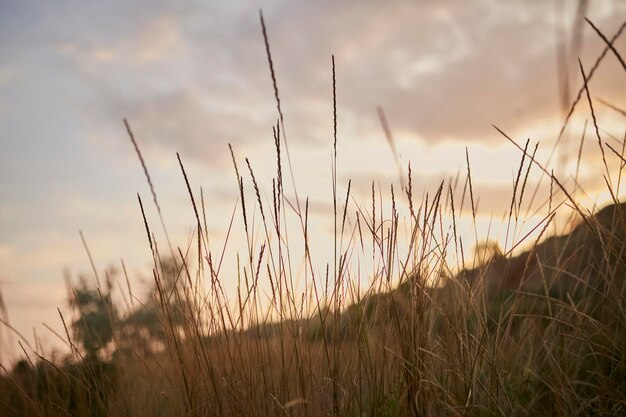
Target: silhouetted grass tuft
pixel 397 323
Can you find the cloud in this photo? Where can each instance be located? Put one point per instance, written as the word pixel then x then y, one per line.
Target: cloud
pixel 183 122
pixel 156 41
pixel 443 71
pixel 192 76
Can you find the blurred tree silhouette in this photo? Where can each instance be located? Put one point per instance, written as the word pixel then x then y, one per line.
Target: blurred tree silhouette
pixel 145 327
pixel 93 327
pixel 487 251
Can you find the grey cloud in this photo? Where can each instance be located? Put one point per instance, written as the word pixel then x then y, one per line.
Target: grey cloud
pixel 179 122
pixel 442 70
pixel 472 65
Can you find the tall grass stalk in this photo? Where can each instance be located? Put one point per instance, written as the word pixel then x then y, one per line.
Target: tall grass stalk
pixel 541 332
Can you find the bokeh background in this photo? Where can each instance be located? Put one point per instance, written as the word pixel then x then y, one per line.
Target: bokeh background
pixel 192 76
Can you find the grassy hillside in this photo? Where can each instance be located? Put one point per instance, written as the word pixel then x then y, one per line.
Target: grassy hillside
pixel 539 333
pixel 547 338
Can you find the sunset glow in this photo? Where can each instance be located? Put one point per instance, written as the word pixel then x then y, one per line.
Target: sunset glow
pixel 192 77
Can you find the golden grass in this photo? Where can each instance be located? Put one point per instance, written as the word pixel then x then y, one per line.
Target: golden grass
pixel 434 344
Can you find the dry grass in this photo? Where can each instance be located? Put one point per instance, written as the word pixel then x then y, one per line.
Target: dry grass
pixel 420 340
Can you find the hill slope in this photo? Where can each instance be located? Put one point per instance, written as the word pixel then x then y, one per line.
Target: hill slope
pixel 594 252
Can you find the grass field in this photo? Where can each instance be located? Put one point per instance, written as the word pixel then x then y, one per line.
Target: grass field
pixel 536 332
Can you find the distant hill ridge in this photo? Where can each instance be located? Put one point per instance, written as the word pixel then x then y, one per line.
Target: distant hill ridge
pixel 594 251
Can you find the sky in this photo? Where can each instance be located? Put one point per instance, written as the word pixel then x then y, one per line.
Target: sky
pixel 192 77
